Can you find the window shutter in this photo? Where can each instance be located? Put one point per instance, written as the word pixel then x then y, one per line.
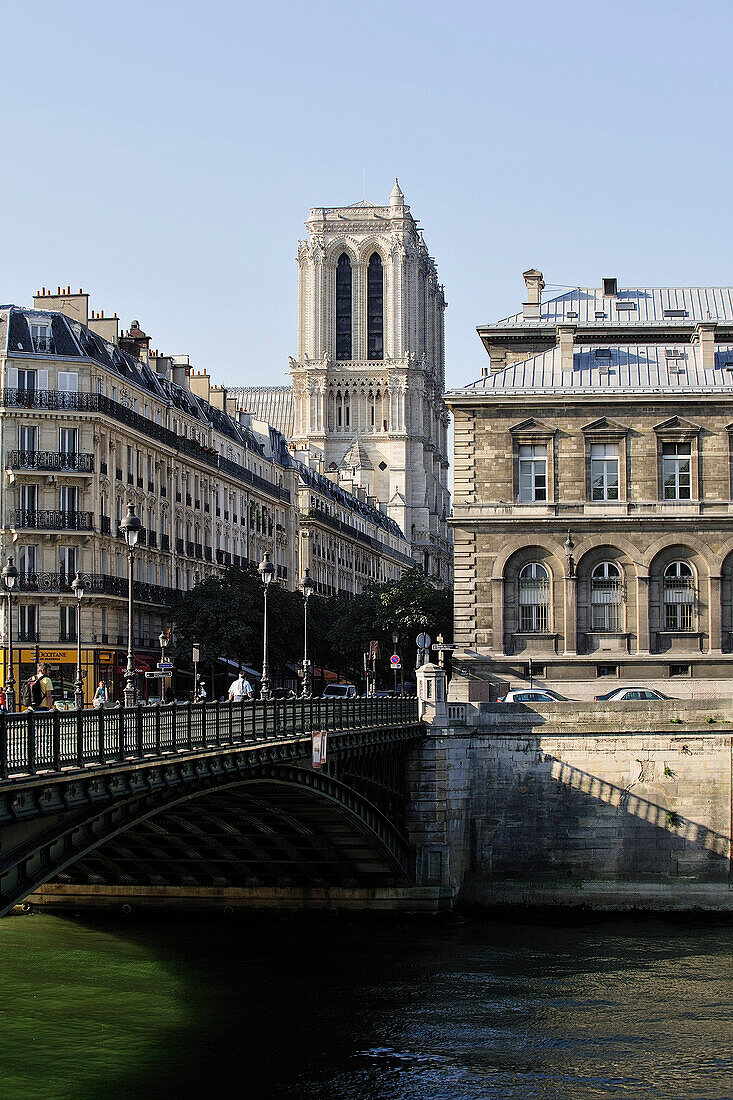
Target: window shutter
pixel 68 381
pixel 12 378
pixel 43 379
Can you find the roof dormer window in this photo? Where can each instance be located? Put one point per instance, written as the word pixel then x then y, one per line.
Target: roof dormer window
pixel 41 336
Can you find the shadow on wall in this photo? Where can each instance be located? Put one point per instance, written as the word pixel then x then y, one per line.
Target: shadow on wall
pixel 547 821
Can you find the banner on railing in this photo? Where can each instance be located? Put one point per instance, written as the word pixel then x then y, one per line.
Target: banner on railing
pixel 319 742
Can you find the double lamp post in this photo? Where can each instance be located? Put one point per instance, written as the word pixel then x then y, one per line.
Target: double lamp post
pixel 307 586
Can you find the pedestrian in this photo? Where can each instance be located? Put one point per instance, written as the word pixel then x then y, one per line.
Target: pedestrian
pixel 170 695
pixel 3 701
pixel 240 689
pixel 202 692
pixel 36 692
pixel 101 695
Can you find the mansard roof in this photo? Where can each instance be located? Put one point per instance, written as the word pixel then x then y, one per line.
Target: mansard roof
pixel 672 307
pixel 620 369
pixel 273 404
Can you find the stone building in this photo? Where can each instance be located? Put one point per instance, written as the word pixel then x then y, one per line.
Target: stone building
pixel 91 419
pixel 593 514
pixel 366 400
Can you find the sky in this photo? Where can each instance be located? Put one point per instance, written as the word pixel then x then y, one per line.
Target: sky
pixel 164 156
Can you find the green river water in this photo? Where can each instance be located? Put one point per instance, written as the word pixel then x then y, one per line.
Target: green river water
pixel 336 1008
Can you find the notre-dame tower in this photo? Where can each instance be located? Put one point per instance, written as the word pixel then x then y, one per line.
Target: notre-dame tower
pixel 370 373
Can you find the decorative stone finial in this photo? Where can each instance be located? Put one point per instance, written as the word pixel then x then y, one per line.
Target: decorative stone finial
pixel 396 198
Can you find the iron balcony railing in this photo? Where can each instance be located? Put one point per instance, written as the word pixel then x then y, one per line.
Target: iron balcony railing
pixel 50 742
pixel 62 461
pixel 50 519
pixel 318 515
pixel 98 403
pixel 95 583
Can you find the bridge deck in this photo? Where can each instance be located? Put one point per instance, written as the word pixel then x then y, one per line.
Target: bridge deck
pixel 57 742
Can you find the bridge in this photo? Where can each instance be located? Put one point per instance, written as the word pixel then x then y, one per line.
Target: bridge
pixel 202 799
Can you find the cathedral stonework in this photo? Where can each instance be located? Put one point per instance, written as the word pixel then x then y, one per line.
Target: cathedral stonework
pixel 368 381
pixel 369 378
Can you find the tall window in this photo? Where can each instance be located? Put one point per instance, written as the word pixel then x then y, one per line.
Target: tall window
pixel 532 472
pixel 68 562
pixel 68 498
pixel 343 307
pixel 676 471
pixel 67 623
pixel 28 498
pixel 534 599
pixel 28 622
pixel 27 437
pixel 28 559
pixel 26 379
pixel 67 440
pixel 604 471
pixel 679 596
pixel 375 308
pixel 606 594
pixel 41 336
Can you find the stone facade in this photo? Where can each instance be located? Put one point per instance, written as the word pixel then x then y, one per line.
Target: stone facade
pixel 593 513
pixel 370 371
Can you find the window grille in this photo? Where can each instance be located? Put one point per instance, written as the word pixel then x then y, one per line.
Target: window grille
pixel 534 599
pixel 606 598
pixel 679 597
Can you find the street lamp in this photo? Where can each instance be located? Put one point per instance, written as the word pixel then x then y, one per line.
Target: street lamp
pixel 395 640
pixel 267 572
pixel 307 587
pixel 77 587
pixel 130 528
pixel 9 575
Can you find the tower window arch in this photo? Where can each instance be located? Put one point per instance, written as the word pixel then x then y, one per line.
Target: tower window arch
pixel 606 596
pixel 343 307
pixel 534 599
pixel 679 596
pixel 375 308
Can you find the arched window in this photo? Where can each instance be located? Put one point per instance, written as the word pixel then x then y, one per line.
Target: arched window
pixel 679 596
pixel 534 599
pixel 343 307
pixel 606 596
pixel 375 308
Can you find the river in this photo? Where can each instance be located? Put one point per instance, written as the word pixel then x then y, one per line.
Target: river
pixel 338 1008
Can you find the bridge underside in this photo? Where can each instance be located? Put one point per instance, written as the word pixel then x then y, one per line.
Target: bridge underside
pixel 261 833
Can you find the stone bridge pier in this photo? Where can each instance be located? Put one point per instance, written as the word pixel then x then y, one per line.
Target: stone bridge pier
pixel 608 806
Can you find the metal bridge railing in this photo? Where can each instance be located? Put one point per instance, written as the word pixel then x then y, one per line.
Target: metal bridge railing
pixel 45 742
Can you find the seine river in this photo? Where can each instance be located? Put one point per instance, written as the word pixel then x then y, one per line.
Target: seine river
pixel 333 1008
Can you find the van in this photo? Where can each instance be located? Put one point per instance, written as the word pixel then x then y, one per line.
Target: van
pixel 339 691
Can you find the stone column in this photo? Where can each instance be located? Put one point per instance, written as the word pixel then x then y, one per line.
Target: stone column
pixel 715 613
pixel 642 611
pixel 571 615
pixel 431 695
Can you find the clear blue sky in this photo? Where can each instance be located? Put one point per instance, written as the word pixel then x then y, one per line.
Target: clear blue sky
pixel 165 155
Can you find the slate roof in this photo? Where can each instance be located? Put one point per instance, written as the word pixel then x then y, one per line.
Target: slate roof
pixel 619 368
pixel 72 341
pixel 668 306
pixel 273 404
pixel 339 496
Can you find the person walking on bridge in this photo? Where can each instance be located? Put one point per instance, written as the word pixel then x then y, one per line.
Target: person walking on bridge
pixel 240 689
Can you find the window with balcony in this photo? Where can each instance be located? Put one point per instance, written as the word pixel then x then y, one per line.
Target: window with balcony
pixel 27 379
pixel 606 596
pixel 604 471
pixel 68 498
pixel 68 562
pixel 28 498
pixel 534 599
pixel 41 336
pixel 67 623
pixel 27 560
pixel 27 437
pixel 676 471
pixel 68 381
pixel 68 439
pixel 679 597
pixel 28 622
pixel 532 472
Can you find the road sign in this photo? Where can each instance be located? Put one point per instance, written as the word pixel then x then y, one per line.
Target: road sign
pixel 195 654
pixel 165 666
pixel 397 667
pixel 395 660
pixel 444 647
pixel 423 641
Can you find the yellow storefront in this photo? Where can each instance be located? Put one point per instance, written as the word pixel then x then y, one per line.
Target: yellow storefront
pixel 61 661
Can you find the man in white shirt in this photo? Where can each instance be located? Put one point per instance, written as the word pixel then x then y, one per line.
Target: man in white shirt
pixel 240 689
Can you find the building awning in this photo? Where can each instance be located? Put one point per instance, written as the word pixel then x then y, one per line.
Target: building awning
pixel 245 668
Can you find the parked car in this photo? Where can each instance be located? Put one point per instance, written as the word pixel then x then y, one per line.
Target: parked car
pixel 339 691
pixel 627 694
pixel 531 695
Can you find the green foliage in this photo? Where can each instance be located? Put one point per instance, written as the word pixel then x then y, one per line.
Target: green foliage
pixel 710 718
pixel 673 819
pixel 668 771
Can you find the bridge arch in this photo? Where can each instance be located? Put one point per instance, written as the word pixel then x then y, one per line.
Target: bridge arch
pixel 271 826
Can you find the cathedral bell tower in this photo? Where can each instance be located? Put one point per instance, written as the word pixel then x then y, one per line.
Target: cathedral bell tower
pixel 370 373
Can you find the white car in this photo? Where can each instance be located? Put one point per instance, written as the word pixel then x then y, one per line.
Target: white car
pixel 630 694
pixel 531 695
pixel 339 691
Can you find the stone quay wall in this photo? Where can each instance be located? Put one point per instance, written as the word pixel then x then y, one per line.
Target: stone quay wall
pixel 612 807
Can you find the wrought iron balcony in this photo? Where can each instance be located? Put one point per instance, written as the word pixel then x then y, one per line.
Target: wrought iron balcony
pixel 105 525
pixel 179 546
pixel 165 542
pixel 50 519
pixel 96 583
pixel 189 549
pixel 62 461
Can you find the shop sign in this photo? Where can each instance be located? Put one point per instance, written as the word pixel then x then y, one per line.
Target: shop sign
pixel 319 740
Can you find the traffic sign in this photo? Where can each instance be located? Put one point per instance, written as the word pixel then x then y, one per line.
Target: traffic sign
pixel 165 666
pixel 395 660
pixel 423 641
pixel 397 667
pixel 444 647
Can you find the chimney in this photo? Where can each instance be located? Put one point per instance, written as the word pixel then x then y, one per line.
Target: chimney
pixel 75 306
pixel 565 334
pixel 610 286
pixel 200 384
pixel 218 397
pixel 706 339
pixel 535 284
